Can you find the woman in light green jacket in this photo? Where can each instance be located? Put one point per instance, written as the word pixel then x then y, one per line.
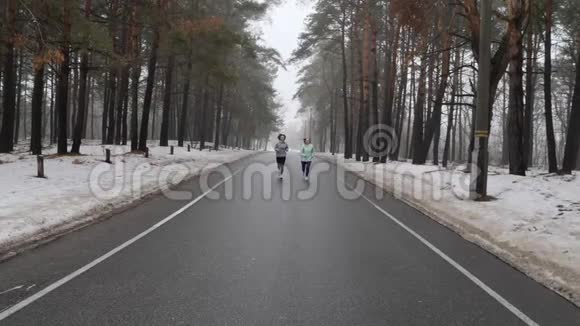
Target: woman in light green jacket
pixel 307 154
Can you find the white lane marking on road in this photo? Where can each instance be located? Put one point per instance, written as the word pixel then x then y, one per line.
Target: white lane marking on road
pixel 22 304
pixel 12 289
pixel 518 313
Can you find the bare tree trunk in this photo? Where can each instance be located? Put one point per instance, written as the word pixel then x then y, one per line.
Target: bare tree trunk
pixel 73 95
pixel 25 107
pixel 461 131
pixel 63 80
pixel 149 89
pixel 347 122
pixel 9 83
pixel 124 126
pixel 110 137
pixel 218 118
pixel 164 137
pixel 374 105
pixel 473 121
pixel 390 81
pixel 135 76
pixel 456 126
pixel 155 115
pixel 354 107
pixel 123 87
pixel 36 109
pixel 550 138
pixel 402 98
pixel 450 119
pixel 530 94
pixel 412 101
pixel 516 114
pixel 53 127
pixel 184 109
pixel 571 154
pixel 122 92
pixel 334 122
pixel 19 97
pixel 203 120
pixel 82 105
pixel 227 128
pixel 364 52
pixel 419 112
pixel 211 115
pixel 106 102
pixel 87 107
pixel 92 101
pixel 505 136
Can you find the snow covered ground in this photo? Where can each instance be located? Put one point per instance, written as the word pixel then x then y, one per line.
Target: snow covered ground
pixel 79 189
pixel 534 223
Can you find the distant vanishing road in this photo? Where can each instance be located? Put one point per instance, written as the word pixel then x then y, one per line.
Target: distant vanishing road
pixel 325 260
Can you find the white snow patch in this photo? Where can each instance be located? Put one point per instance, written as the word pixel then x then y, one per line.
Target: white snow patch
pixel 30 206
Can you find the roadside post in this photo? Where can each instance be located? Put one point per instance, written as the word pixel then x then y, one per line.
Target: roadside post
pixel 108 156
pixel 40 161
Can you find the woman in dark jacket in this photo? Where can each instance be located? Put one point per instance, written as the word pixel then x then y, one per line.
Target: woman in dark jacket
pixel 281 149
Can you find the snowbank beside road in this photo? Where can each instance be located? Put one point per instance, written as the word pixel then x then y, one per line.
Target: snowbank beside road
pixel 534 223
pixel 79 189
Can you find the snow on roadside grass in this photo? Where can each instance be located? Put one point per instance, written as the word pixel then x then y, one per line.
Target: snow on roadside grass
pixel 80 188
pixel 534 223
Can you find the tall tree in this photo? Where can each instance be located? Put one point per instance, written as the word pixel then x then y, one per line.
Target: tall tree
pixel 9 82
pixel 530 96
pixel 452 105
pixel 135 74
pixel 572 150
pixel 164 138
pixel 203 124
pixel 347 122
pixel 38 68
pixel 185 104
pixel 390 72
pixel 83 90
pixel 123 73
pixel 516 107
pixel 418 114
pixel 151 67
pixel 62 86
pixel 19 85
pixel 218 118
pixel 550 138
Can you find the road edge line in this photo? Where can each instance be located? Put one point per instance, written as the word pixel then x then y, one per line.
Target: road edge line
pixel 500 299
pixel 55 285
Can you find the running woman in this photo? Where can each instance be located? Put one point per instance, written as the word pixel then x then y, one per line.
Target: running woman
pixel 281 149
pixel 307 154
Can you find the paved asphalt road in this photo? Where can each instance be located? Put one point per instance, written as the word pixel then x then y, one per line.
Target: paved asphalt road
pixel 258 261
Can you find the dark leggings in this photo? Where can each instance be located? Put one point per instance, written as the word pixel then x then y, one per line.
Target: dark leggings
pixel 281 161
pixel 306 168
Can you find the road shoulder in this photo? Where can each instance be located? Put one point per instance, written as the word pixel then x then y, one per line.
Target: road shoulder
pixel 544 269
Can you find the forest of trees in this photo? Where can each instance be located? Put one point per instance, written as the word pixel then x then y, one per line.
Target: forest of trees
pixel 412 65
pixel 134 71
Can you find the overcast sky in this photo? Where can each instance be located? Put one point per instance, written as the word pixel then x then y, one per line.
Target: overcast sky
pixel 280 31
